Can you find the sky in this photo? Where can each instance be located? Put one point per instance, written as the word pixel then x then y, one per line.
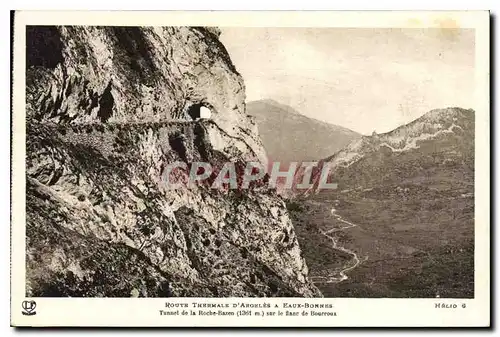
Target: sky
pixel 363 79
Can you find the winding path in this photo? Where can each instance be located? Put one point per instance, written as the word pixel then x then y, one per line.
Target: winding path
pixel 355 259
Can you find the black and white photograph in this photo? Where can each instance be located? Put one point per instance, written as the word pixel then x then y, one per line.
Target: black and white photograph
pixel 214 161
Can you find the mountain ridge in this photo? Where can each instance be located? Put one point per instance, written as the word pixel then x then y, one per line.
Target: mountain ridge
pixel 406 137
pixel 289 109
pixel 105 119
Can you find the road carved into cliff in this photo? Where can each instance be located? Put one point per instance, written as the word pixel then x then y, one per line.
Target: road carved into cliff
pixel 355 259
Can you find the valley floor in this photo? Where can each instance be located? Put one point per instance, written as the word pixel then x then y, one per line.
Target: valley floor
pixel 368 243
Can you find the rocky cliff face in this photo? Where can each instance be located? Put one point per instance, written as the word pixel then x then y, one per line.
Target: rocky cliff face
pixel 107 109
pixel 440 140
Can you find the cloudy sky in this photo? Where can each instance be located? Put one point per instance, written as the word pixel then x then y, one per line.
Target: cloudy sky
pixel 362 79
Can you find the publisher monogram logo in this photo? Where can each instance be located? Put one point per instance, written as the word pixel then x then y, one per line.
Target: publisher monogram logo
pixel 29 308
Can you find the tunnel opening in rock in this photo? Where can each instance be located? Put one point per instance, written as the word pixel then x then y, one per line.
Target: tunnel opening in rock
pixel 198 110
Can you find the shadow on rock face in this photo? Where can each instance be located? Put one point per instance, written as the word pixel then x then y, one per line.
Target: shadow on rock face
pixel 43 46
pixel 198 110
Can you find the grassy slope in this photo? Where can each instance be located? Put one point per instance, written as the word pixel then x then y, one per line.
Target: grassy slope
pixel 289 136
pixel 415 217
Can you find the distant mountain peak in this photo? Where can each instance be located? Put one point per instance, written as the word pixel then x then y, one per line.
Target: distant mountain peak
pixel 289 136
pixel 430 125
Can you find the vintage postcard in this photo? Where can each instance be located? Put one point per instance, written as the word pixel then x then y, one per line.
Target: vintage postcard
pixel 250 169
